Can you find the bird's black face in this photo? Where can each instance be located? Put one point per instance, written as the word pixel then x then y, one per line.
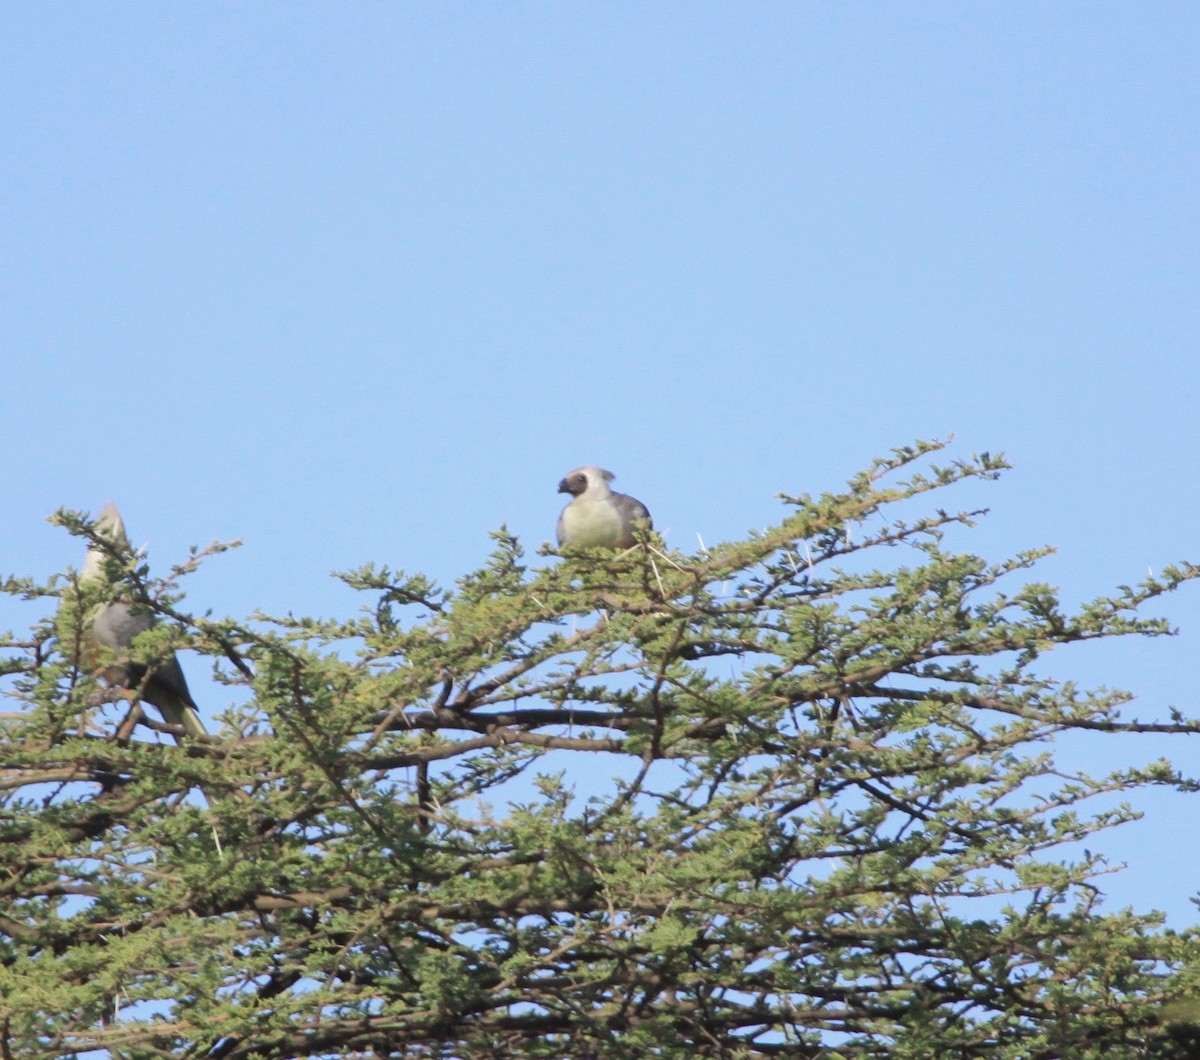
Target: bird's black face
pixel 574 484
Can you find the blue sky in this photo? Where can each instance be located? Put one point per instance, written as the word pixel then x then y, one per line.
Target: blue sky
pixel 359 282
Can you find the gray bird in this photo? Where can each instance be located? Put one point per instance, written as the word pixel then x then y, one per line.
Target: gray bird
pixel 597 517
pixel 115 626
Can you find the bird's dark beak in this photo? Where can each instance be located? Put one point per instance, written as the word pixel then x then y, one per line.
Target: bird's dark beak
pixel 563 487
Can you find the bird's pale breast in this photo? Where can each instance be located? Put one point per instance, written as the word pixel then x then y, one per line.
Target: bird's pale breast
pixel 592 524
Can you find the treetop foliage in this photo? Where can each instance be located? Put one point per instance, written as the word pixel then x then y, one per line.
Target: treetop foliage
pixel 794 795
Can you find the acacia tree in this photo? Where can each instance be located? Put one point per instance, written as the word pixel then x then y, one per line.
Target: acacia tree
pixel 791 796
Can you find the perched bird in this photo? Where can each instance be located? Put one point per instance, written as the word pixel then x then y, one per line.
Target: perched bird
pixel 114 627
pixel 597 517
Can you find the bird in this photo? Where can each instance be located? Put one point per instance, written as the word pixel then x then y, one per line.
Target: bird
pixel 114 626
pixel 598 517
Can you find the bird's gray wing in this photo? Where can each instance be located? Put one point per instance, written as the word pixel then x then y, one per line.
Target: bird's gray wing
pixel 116 624
pixel 632 512
pixel 115 627
pixel 560 531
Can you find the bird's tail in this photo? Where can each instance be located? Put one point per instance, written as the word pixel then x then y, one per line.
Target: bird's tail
pixel 192 725
pixel 176 710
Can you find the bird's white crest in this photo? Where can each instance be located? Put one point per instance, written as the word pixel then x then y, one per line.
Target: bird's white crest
pixel 110 524
pixel 109 520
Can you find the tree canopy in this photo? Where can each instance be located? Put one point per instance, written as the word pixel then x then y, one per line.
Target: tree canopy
pixel 794 795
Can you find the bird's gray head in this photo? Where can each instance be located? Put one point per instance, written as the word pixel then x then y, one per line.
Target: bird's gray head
pixel 587 479
pixel 111 525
